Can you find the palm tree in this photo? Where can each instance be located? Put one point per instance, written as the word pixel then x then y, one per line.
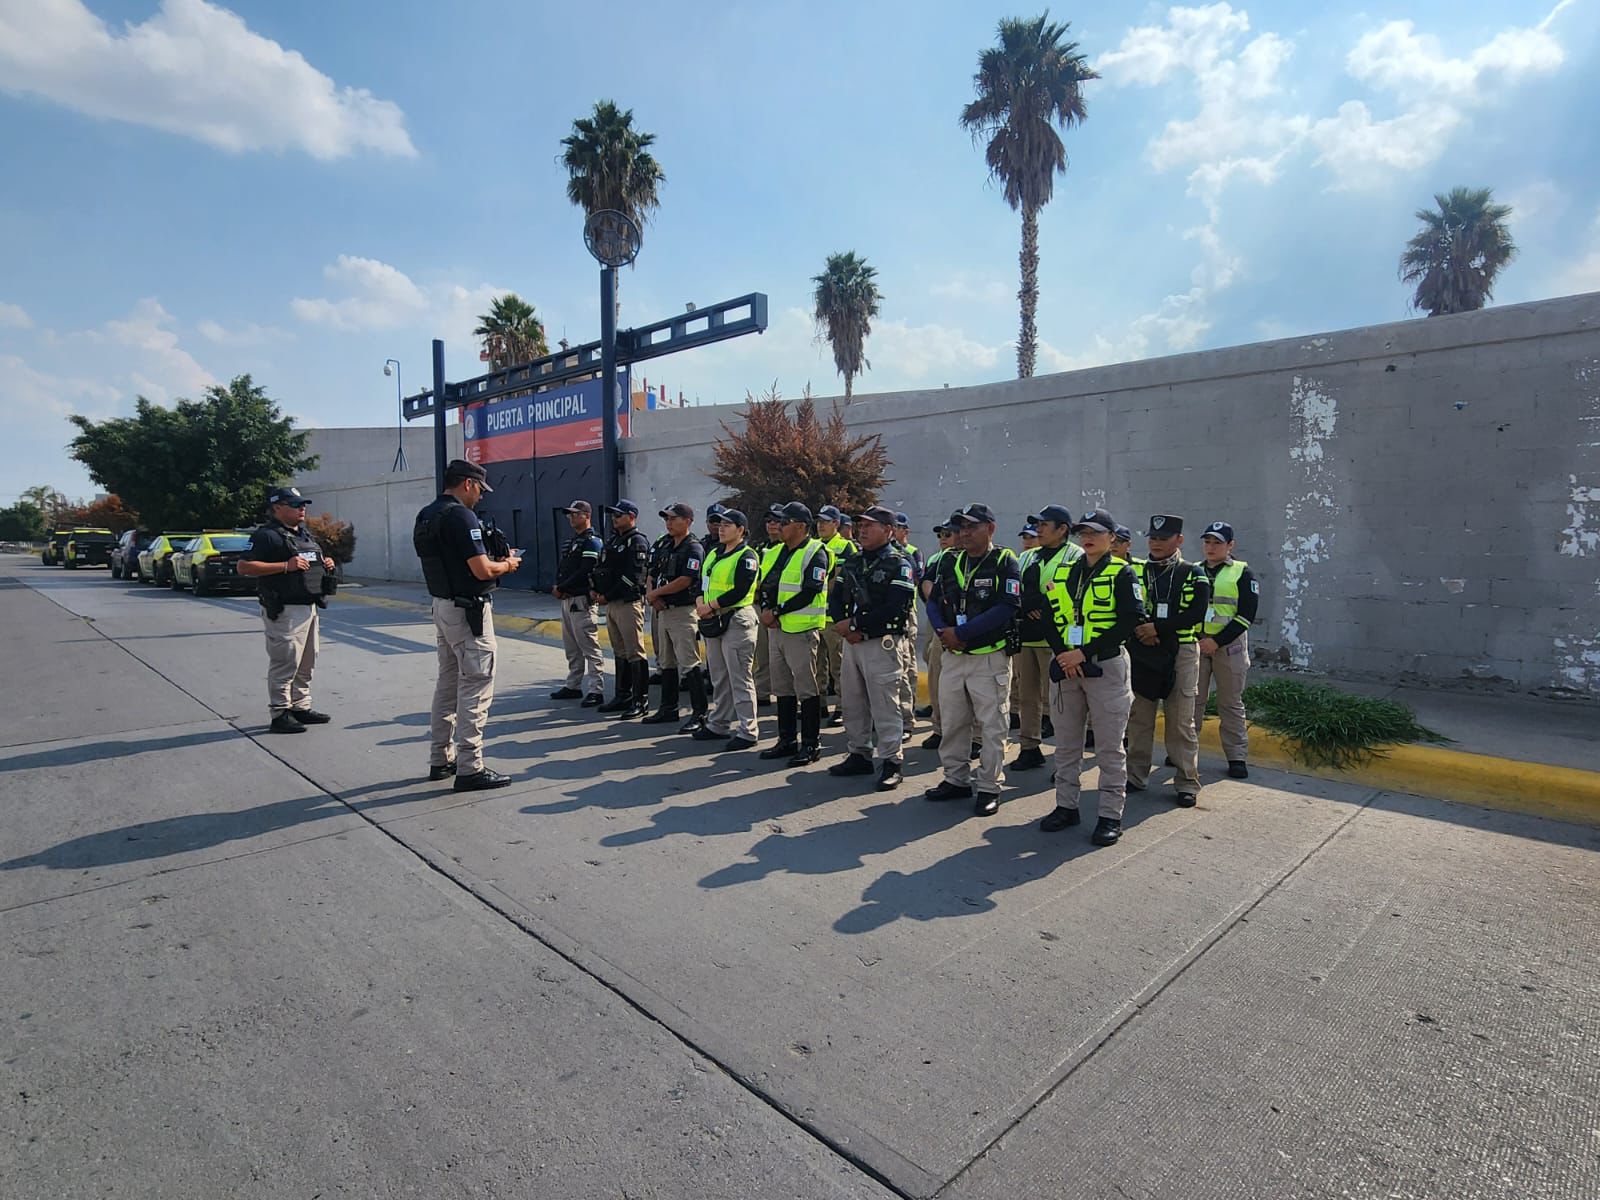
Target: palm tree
pixel 1462 247
pixel 1027 85
pixel 512 332
pixel 609 164
pixel 847 299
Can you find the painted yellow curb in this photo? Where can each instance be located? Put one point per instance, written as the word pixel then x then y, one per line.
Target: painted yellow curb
pixel 1538 789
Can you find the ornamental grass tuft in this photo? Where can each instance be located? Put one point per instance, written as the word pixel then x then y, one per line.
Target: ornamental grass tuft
pixel 1324 727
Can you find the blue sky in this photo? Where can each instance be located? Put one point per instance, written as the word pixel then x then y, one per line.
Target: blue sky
pixel 300 189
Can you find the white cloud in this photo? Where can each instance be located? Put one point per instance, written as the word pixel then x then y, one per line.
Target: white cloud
pixel 27 393
pixel 193 69
pixel 249 334
pixel 13 317
pixel 164 368
pixel 379 297
pixel 1583 274
pixel 964 288
pixel 1540 201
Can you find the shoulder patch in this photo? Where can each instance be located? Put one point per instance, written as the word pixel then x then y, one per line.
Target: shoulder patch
pixel 1013 587
pixel 1255 587
pixel 477 534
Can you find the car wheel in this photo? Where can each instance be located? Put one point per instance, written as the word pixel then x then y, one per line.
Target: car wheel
pixel 173 581
pixel 196 586
pixel 70 564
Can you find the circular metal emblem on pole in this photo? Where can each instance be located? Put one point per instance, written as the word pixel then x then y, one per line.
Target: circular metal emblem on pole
pixel 612 237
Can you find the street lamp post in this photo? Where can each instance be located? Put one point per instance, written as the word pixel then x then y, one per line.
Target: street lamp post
pixel 400 428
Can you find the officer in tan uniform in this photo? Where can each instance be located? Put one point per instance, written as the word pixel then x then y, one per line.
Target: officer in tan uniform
pixel 461 577
pixel 1225 642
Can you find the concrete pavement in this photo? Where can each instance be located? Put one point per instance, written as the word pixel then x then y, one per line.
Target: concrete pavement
pixel 238 964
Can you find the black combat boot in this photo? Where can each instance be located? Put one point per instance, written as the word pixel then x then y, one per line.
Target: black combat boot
pixel 785 745
pixel 619 701
pixel 695 682
pixel 810 748
pixel 639 702
pixel 669 699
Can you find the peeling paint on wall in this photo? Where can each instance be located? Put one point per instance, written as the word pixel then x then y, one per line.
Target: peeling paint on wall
pixel 1309 514
pixel 1581 537
pixel 1577 654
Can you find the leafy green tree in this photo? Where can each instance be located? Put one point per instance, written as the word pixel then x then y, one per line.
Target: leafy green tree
pixel 609 164
pixel 785 454
pixel 1461 249
pixel 204 463
pixel 1027 85
pixel 512 332
pixel 51 503
pixel 23 521
pixel 845 301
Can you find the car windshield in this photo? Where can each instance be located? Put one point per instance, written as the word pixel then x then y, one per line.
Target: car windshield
pixel 231 542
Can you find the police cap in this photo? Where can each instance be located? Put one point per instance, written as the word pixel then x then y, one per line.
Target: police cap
pixel 623 508
pixel 1099 520
pixel 1053 512
pixel 287 495
pixel 1164 525
pixel 458 469
pixel 973 514
pixel 879 515
pixel 795 511
pixel 1220 530
pixel 828 513
pixel 732 516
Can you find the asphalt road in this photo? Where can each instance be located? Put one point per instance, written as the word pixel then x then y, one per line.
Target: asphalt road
pixel 240 965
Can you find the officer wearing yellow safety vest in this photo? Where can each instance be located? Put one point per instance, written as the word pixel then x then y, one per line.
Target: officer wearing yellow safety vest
pixel 831 649
pixel 1096 604
pixel 793 604
pixel 1176 595
pixel 1225 642
pixel 934 651
pixel 975 598
pixel 1052 551
pixel 728 579
pixel 769 554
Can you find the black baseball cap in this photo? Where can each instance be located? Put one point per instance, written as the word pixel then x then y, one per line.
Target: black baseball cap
pixel 974 514
pixel 795 511
pixel 458 469
pixel 902 520
pixel 287 495
pixel 1164 525
pixel 627 507
pixel 714 513
pixel 677 509
pixel 828 513
pixel 732 516
pixel 1219 529
pixel 1099 520
pixel 775 513
pixel 1122 533
pixel 846 519
pixel 879 515
pixel 1052 512
pixel 942 528
pixel 578 506
pixel 1028 531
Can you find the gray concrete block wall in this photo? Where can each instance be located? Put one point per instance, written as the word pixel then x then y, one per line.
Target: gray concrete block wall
pixel 1420 499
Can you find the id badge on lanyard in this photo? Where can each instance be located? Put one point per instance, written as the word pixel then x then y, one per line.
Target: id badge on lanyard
pixel 1075 630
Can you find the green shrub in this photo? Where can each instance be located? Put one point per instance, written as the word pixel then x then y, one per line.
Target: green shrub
pixel 1324 727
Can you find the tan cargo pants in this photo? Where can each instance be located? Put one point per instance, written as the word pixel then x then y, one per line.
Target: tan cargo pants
pixel 1105 700
pixel 792 658
pixel 763 669
pixel 292 642
pixel 465 688
pixel 1228 668
pixel 1032 671
pixel 1183 740
pixel 731 661
pixel 580 638
pixel 973 692
pixel 935 667
pixel 625 628
pixel 677 639
pixel 870 687
pixel 908 675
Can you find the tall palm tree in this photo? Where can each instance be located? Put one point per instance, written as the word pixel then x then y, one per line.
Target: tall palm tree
pixel 847 299
pixel 1028 84
pixel 609 164
pixel 512 332
pixel 1461 248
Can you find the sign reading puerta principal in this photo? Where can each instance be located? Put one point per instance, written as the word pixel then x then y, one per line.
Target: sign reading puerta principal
pixel 563 420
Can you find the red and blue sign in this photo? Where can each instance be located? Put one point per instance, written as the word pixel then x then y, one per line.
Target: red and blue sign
pixel 563 420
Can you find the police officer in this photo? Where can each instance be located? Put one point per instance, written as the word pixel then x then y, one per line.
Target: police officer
pixel 1122 544
pixel 288 565
pixel 461 576
pixel 677 584
pixel 658 553
pixel 580 627
pixel 620 583
pixel 1176 596
pixel 1096 605
pixel 728 623
pixel 908 644
pixel 870 610
pixel 1028 540
pixel 793 599
pixel 772 523
pixel 1225 642
pixel 934 651
pixel 976 595
pixel 1053 548
pixel 831 648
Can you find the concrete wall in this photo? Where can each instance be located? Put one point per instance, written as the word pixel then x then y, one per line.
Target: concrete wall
pixel 1421 500
pixel 356 483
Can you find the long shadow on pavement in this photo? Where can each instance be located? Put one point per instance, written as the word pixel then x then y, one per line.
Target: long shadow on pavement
pixel 70 756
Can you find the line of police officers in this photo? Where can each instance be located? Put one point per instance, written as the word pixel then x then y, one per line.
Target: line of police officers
pixel 1099 639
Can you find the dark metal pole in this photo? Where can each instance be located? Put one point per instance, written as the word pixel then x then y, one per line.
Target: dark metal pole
pixel 608 384
pixel 440 453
